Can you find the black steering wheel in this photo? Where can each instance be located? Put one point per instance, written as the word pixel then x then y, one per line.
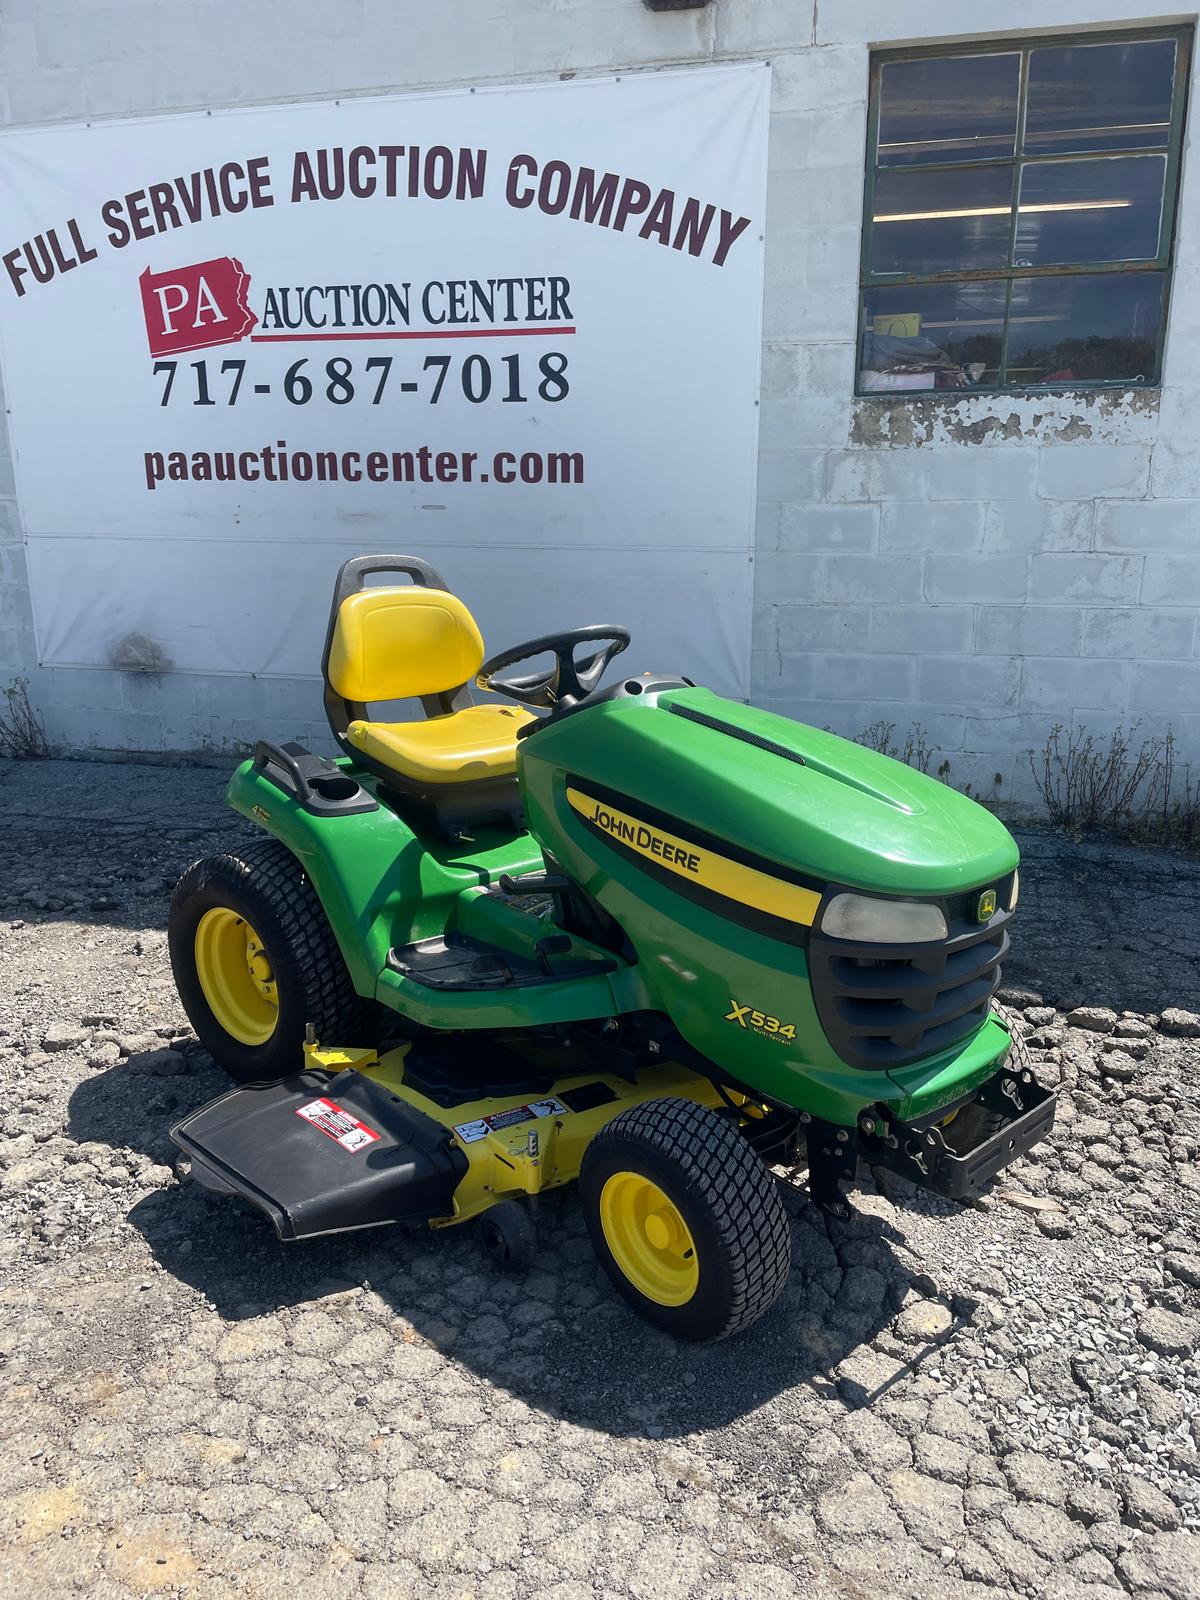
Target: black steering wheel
pixel 568 681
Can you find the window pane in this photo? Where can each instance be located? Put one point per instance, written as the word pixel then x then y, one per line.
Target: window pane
pixel 941 221
pixel 932 336
pixel 1082 211
pixel 1100 97
pixel 947 108
pixel 1085 329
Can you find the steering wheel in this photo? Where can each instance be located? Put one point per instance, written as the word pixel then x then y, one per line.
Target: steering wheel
pixel 568 681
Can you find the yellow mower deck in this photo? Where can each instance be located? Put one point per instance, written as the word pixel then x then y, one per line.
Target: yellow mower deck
pixel 516 1146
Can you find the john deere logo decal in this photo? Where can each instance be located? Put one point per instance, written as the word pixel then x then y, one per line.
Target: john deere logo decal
pixel 986 909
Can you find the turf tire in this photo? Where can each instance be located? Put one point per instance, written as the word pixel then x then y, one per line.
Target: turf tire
pixel 728 1199
pixel 265 883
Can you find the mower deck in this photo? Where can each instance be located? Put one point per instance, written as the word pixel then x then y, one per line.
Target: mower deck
pixel 350 1143
pixel 361 1140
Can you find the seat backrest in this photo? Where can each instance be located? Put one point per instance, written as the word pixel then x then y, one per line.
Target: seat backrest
pixel 401 643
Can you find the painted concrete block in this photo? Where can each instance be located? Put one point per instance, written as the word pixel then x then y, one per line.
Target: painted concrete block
pixel 856 576
pixel 1171 581
pixel 938 630
pixel 789 141
pixel 831 628
pixel 951 525
pixel 1095 578
pixel 971 473
pixel 828 368
pixel 1073 472
pixel 1165 686
pixel 815 79
pixel 1012 526
pixel 789 577
pixel 988 729
pixel 773 673
pixel 877 475
pixel 872 677
pixel 829 527
pixel 839 136
pixel 762 25
pixel 790 475
pixel 1141 631
pixel 44 96
pixel 1029 630
pixel 783 369
pixel 1149 525
pixel 988 579
pixel 831 257
pixel 802 421
pixel 1058 685
pixel 970 680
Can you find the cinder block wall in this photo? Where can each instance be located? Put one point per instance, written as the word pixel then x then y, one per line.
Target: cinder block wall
pixel 986 566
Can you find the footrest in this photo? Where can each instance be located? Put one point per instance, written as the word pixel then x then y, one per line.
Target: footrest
pixel 459 962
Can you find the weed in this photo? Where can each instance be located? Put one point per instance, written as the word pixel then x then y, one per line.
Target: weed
pixel 22 731
pixel 916 750
pixel 1118 786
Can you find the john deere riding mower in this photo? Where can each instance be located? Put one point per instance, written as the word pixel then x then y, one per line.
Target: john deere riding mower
pixel 638 937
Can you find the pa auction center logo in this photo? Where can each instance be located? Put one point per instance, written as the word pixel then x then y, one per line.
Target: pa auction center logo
pixel 194 308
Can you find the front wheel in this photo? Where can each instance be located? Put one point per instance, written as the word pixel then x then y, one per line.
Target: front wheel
pixel 685 1219
pixel 255 960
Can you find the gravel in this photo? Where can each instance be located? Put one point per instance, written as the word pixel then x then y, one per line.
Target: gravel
pixel 949 1401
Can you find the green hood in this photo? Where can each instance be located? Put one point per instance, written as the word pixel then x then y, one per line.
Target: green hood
pixel 840 814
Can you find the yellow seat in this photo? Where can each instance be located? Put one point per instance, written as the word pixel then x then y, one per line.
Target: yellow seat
pixel 477 742
pixel 419 643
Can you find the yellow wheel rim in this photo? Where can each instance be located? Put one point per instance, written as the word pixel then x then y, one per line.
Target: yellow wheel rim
pixel 236 976
pixel 649 1239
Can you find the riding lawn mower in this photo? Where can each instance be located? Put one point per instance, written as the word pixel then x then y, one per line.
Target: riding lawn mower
pixel 638 937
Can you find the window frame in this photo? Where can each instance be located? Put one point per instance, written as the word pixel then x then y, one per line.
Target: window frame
pixel 1183 35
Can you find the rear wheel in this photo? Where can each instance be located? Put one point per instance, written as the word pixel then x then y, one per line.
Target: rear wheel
pixel 685 1219
pixel 255 960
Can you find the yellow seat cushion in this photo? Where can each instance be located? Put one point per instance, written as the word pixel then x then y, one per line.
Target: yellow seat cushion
pixel 476 742
pixel 393 644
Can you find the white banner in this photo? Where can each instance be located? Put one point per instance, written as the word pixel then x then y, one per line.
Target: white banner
pixel 514 331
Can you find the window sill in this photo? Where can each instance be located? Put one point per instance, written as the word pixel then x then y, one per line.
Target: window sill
pixel 1099 415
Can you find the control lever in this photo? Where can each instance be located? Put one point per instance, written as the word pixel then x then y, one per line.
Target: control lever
pixel 533 883
pixel 557 944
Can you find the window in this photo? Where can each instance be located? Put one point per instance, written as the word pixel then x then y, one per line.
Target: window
pixel 1020 213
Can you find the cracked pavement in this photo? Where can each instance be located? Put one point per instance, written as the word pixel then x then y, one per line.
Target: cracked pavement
pixel 948 1401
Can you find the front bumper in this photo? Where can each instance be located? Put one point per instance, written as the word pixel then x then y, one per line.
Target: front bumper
pixel 918 1150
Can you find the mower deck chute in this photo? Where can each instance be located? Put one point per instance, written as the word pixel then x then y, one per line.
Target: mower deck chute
pixel 323 1153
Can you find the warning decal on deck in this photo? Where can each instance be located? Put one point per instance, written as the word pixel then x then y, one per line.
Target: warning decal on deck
pixel 468 1132
pixel 338 1123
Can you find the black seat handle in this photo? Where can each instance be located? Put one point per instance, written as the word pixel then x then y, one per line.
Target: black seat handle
pixel 267 754
pixel 350 578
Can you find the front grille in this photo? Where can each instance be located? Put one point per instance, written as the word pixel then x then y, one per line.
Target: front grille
pixel 887 1005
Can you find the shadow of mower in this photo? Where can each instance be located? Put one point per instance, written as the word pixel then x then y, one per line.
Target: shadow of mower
pixel 558 1338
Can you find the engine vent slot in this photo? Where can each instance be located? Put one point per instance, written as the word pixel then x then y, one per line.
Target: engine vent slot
pixel 734 732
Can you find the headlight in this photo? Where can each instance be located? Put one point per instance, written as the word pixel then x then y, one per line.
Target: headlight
pixel 1016 890
pixel 862 917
